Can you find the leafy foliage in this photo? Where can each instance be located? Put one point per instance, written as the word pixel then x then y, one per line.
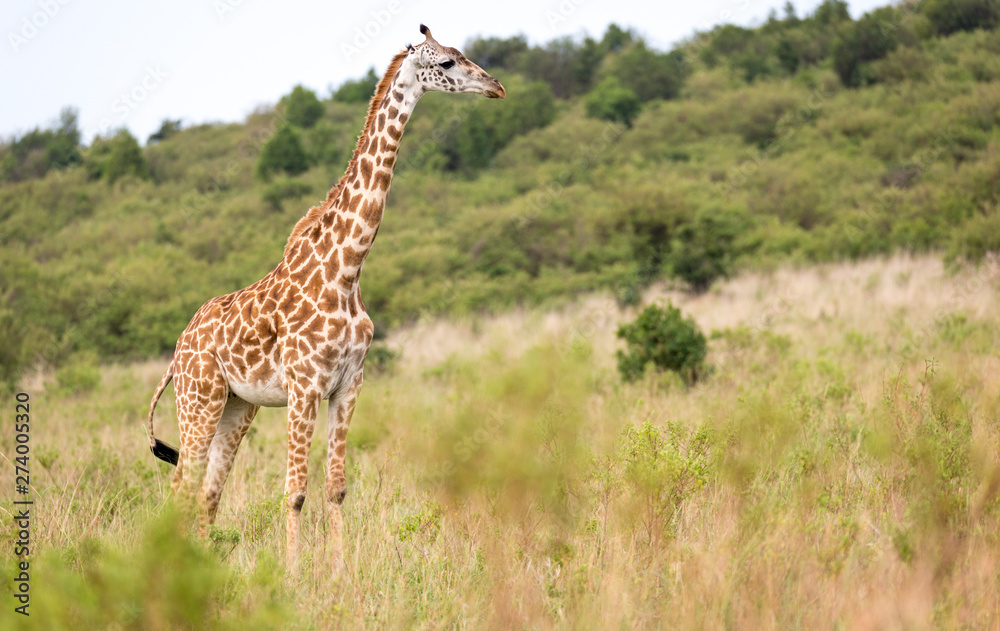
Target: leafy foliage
pixel 704 250
pixel 302 108
pixel 860 43
pixel 35 153
pixel 755 155
pixel 115 157
pixel 357 90
pixel 167 129
pixel 612 101
pixel 283 152
pixel 952 16
pixel 663 338
pixel 649 74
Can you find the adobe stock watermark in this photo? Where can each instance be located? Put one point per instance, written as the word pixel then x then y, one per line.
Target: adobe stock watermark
pixel 223 8
pixel 32 25
pixel 364 34
pixel 131 99
pixel 562 11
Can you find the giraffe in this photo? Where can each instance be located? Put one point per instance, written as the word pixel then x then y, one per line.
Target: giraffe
pixel 300 334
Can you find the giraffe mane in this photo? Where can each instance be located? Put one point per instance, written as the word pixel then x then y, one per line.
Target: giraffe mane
pixel 381 89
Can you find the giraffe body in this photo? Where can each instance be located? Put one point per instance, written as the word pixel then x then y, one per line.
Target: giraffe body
pixel 300 335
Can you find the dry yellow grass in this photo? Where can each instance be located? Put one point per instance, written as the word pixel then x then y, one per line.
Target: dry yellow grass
pixel 839 468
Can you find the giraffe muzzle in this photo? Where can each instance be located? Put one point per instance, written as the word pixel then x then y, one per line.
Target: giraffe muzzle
pixel 497 93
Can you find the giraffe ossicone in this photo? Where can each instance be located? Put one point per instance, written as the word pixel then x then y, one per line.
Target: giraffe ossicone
pixel 300 334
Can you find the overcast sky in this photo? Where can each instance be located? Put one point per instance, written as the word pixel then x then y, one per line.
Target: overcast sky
pixel 133 63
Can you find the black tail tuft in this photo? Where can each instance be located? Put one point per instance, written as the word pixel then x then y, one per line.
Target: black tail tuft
pixel 165 452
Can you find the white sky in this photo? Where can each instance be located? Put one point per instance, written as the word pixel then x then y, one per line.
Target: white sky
pixel 133 63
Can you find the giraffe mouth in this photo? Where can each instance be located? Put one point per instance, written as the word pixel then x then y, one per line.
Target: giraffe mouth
pixel 499 93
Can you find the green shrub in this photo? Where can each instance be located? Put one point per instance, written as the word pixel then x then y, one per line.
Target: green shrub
pixel 651 75
pixel 302 108
pixel 951 16
pixel 167 129
pixel 283 152
pixel 664 339
pixel 976 238
pixel 116 157
pixel 859 43
pixel 381 358
pixel 357 90
pixel 612 101
pixel 283 189
pixel 705 248
pixel 38 151
pixel 81 374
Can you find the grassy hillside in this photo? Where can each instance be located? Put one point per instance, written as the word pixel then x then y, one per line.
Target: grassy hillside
pixel 839 468
pixel 610 165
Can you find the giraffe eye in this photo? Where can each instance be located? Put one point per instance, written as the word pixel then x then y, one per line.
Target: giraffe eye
pixel 447 64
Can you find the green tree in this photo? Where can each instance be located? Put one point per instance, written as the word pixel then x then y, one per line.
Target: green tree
pixel 616 38
pixel 664 339
pixel 860 43
pixel 40 150
pixel 705 248
pixel 167 129
pixel 951 16
pixel 283 152
pixel 357 90
pixel 612 101
pixel 115 157
pixel 302 108
pixel 496 52
pixel 649 74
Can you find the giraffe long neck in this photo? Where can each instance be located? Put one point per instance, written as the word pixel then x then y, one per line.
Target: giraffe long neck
pixel 338 234
pixel 353 212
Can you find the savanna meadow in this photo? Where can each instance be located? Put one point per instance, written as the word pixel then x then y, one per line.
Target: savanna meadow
pixel 700 338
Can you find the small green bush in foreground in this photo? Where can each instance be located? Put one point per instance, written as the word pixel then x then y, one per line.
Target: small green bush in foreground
pixel 665 339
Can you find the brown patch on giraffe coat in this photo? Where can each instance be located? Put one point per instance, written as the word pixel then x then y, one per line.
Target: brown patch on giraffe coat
pixel 254 356
pixel 352 257
pixel 268 344
pixel 404 117
pixel 347 282
pixel 382 180
pixel 393 112
pixel 381 122
pixel 328 302
pixel 366 171
pixel 371 212
pixel 260 374
pixel 394 132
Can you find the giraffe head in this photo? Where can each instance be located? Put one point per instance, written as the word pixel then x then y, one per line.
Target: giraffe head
pixel 444 69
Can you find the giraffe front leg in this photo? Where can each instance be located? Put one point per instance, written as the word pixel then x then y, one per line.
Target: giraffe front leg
pixel 303 408
pixel 339 419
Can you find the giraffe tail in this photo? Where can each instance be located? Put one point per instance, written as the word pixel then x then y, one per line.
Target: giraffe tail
pixel 160 449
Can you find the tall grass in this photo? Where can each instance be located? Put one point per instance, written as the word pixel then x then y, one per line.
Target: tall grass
pixel 839 467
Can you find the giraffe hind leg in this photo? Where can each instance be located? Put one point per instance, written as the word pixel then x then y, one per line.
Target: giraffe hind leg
pixel 200 406
pixel 233 426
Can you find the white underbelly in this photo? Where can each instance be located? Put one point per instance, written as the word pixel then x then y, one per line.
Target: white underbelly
pixel 270 395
